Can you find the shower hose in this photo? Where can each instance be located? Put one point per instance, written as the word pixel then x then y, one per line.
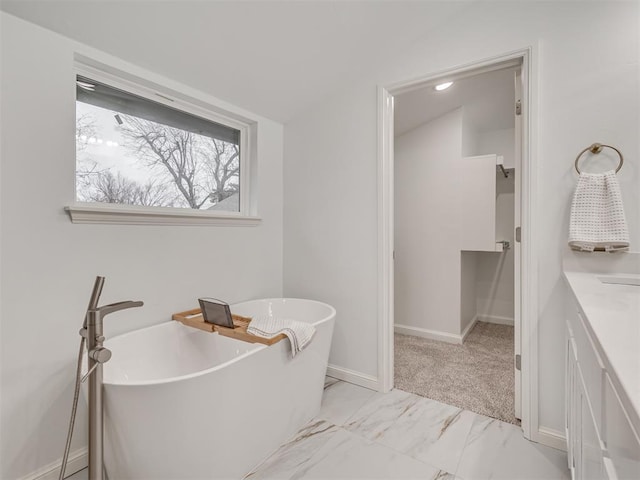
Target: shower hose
pixel 74 408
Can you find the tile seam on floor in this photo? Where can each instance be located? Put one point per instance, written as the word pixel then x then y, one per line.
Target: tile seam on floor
pixel 403 454
pixel 369 441
pixel 420 398
pixel 290 441
pixel 466 440
pixel 300 467
pixel 371 397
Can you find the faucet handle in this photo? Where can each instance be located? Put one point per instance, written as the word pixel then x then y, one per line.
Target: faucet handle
pixel 100 354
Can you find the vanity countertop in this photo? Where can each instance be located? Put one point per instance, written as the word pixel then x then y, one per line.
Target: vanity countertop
pixel 612 314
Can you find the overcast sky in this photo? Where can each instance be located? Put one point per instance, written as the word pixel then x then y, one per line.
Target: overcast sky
pixel 116 158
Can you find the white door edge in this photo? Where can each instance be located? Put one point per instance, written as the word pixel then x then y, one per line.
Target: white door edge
pixel 517 314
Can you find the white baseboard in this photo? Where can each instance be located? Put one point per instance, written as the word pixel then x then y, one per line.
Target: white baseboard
pixel 552 438
pixel 466 331
pixel 77 461
pixel 351 376
pixel 450 337
pixel 496 319
pixel 424 333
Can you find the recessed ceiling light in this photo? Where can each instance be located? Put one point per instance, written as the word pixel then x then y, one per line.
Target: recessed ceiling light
pixel 443 86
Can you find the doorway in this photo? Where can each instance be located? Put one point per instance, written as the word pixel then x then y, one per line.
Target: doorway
pixel 519 245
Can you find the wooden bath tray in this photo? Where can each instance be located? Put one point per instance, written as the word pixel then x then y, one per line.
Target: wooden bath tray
pixel 193 318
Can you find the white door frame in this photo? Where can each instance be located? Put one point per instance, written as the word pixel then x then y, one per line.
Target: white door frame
pixel 529 305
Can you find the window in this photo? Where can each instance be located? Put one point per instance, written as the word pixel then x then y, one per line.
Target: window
pixel 140 148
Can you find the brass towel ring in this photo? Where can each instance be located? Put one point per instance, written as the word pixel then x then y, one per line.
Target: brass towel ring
pixel 597 148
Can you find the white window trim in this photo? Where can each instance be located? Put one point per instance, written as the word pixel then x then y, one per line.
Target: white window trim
pixel 115 214
pixel 111 213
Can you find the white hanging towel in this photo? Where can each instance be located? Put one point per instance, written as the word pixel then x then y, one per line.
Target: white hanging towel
pixel 597 214
pixel 299 333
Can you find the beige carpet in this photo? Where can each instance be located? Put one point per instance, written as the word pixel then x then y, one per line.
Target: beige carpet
pixel 476 376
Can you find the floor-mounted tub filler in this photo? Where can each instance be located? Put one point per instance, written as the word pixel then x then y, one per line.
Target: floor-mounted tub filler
pixel 92 336
pixel 183 403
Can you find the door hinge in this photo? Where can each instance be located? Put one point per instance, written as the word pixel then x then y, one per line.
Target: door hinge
pixel 518 107
pixel 518 361
pixel 518 234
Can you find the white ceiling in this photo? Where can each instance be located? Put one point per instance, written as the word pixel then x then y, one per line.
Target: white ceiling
pixel 488 100
pixel 274 58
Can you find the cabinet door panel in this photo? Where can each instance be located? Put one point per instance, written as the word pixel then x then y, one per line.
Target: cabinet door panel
pixel 591 462
pixel 569 394
pixel 591 367
pixel 573 410
pixel 620 439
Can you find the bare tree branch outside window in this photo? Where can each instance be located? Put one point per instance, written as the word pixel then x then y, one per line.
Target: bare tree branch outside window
pixel 85 167
pixel 185 169
pixel 110 188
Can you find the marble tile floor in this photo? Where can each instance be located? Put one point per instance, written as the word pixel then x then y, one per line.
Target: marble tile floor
pixel 362 434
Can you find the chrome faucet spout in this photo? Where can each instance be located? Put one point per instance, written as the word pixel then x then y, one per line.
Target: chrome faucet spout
pixel 115 307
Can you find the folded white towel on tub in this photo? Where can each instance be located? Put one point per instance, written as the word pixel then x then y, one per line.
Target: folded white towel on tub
pixel 597 214
pixel 298 333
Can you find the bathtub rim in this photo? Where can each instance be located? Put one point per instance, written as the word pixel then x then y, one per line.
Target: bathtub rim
pixel 331 315
pixel 199 373
pixel 138 383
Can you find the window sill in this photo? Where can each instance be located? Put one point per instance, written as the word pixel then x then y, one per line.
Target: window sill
pixel 111 214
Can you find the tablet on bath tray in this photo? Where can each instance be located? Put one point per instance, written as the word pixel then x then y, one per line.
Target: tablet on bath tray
pixel 216 312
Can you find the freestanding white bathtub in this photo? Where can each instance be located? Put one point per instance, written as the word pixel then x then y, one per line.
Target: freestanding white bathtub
pixel 182 403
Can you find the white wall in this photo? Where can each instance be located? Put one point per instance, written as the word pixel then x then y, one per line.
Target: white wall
pixel 469 137
pixel 495 289
pixel 330 234
pixel 49 264
pixel 427 266
pixel 500 141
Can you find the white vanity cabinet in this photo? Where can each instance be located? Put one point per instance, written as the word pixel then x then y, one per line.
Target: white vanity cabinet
pixel 602 442
pixel 584 444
